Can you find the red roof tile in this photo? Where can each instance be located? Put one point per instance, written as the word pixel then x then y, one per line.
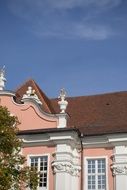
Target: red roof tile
pixel 98 114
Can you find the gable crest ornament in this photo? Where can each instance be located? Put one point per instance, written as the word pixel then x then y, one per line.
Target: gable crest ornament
pixel 31 94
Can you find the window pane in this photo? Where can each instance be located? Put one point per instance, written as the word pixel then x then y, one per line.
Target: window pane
pixel 34 162
pixel 41 164
pixel 96 176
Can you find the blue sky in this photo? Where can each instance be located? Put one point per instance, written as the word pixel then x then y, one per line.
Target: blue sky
pixel 80 45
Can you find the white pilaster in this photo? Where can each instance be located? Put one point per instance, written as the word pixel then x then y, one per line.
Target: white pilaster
pixel 120 167
pixel 62 120
pixel 66 167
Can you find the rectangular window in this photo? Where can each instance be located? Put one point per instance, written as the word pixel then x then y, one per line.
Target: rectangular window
pixel 41 164
pixel 96 174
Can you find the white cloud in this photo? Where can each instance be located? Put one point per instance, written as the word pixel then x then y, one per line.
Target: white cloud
pixel 75 31
pixel 93 31
pixel 104 3
pixel 76 3
pixel 68 4
pixel 39 5
pixel 53 18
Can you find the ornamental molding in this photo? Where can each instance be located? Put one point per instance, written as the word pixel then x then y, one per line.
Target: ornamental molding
pixel 59 167
pixel 31 94
pixel 119 169
pixel 105 140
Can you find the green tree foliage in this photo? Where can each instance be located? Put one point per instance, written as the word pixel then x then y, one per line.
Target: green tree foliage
pixel 13 175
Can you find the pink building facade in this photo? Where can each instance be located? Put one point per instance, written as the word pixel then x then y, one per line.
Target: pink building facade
pixel 77 143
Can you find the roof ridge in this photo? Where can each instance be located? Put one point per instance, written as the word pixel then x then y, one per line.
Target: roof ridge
pixel 20 86
pixel 94 95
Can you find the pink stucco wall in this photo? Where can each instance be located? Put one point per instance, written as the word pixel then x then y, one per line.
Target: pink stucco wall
pixel 42 150
pixel 29 115
pixel 30 118
pixel 100 152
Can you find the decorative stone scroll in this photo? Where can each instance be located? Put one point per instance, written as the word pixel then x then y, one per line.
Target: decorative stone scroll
pixel 66 167
pixel 31 94
pixel 119 169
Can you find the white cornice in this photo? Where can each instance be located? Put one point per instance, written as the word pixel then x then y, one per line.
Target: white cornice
pixel 6 93
pixel 68 137
pixel 51 139
pixel 105 140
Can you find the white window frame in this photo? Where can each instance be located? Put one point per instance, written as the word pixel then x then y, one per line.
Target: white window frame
pixel 86 169
pixel 29 164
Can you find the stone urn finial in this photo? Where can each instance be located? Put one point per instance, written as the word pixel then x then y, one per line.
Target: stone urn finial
pixel 62 103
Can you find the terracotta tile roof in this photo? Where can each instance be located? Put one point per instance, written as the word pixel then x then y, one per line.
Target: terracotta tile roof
pixel 98 114
pixel 92 115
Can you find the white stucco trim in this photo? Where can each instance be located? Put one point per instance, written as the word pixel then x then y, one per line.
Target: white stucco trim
pixel 69 137
pixel 110 140
pixel 85 169
pixel 6 93
pixel 66 165
pixel 62 120
pixel 119 167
